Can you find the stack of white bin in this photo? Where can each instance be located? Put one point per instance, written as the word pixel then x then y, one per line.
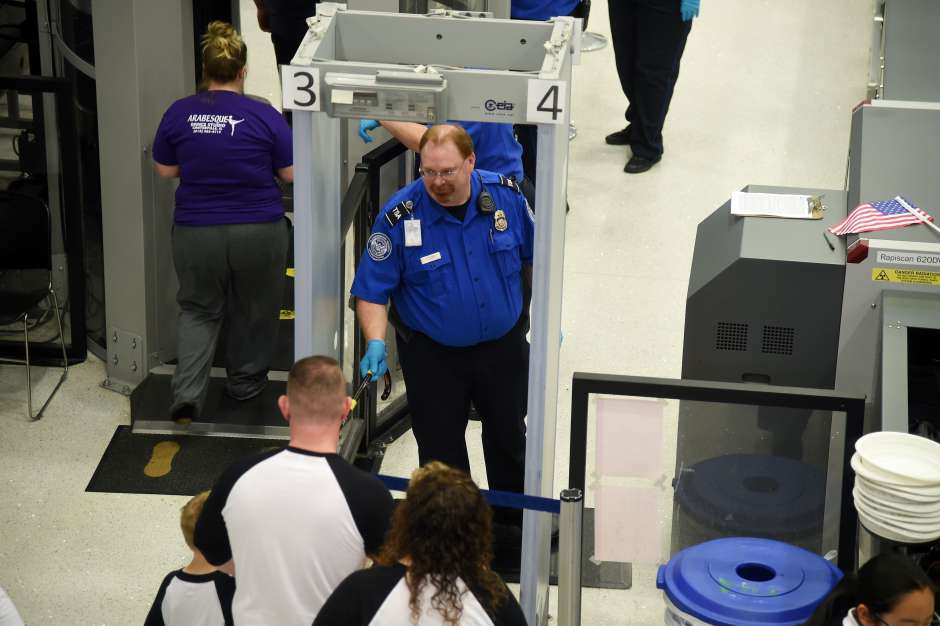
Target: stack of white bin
pixel 897 486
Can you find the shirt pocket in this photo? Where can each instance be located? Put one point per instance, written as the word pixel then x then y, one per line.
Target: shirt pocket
pixel 505 249
pixel 430 272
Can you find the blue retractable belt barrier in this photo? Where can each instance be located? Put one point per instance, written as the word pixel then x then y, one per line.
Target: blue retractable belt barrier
pixel 495 498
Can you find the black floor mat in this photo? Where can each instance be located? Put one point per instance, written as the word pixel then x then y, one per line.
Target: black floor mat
pixel 193 466
pixel 151 400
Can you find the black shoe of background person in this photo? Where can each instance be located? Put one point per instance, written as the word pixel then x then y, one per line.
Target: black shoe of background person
pixel 638 165
pixel 183 414
pixel 619 138
pixel 507 549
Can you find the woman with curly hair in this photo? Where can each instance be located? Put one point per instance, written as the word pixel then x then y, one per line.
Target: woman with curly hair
pixel 434 569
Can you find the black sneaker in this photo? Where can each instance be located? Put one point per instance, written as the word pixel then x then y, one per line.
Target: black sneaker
pixel 619 138
pixel 638 165
pixel 183 414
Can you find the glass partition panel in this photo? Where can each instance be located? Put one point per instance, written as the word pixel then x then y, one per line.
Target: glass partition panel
pixel 679 462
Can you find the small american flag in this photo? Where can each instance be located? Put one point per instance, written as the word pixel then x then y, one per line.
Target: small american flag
pixel 879 216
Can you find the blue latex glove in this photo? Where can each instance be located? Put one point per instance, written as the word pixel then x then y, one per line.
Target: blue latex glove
pixel 374 360
pixel 689 9
pixel 364 127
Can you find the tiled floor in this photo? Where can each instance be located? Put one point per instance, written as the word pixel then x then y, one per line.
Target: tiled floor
pixel 764 97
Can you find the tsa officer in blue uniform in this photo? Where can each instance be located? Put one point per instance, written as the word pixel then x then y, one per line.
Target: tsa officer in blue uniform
pixel 452 251
pixel 495 146
pixel 649 38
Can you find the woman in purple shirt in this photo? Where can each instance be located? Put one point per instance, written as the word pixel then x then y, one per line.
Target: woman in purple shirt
pixel 230 236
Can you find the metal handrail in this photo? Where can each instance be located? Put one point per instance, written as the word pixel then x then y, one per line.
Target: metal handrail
pixel 360 205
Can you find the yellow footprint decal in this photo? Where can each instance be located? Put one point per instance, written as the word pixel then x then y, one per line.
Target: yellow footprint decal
pixel 161 460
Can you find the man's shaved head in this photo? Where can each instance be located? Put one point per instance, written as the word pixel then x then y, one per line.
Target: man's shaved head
pixel 316 389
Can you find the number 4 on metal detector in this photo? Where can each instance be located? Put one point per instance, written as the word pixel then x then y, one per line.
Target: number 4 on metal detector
pixel 546 101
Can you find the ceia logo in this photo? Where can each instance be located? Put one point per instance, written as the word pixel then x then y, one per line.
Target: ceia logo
pixel 493 105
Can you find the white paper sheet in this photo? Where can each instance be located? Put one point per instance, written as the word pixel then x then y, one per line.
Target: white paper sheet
pixel 630 437
pixel 628 525
pixel 770 205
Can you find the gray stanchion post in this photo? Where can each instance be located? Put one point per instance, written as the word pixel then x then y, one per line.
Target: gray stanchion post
pixel 569 557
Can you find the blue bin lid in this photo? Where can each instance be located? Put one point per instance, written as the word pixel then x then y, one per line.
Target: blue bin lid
pixel 742 581
pixel 751 494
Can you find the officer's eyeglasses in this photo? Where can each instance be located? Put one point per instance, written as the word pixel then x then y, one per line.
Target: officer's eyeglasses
pixel 445 174
pixel 933 622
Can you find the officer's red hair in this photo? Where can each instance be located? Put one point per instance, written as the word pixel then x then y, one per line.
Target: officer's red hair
pixel 442 133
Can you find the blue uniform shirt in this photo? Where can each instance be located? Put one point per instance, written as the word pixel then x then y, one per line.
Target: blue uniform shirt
pixel 541 10
pixel 462 285
pixel 496 148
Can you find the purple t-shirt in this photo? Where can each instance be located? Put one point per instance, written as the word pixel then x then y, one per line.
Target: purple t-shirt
pixel 229 148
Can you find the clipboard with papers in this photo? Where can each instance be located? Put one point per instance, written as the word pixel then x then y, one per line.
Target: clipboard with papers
pixel 791 206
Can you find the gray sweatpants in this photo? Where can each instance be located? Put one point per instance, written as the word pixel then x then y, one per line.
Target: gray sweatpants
pixel 236 273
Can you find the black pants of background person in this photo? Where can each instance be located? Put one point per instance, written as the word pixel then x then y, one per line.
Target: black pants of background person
pixel 649 38
pixel 287 20
pixel 232 273
pixel 441 381
pixel 528 134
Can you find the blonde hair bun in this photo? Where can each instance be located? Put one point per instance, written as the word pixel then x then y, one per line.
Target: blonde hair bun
pixel 224 53
pixel 219 28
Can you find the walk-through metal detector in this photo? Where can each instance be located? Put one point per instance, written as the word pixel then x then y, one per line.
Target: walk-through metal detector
pixel 419 68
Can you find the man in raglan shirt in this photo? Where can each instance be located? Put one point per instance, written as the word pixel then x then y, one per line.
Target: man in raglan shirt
pixel 293 523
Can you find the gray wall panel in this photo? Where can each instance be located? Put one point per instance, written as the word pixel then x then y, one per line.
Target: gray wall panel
pixel 143 61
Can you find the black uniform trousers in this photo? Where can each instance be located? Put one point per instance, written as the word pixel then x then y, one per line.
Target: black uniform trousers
pixel 649 38
pixel 441 381
pixel 288 22
pixel 528 134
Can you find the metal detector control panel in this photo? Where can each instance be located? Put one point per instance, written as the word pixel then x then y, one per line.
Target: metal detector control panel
pixel 388 95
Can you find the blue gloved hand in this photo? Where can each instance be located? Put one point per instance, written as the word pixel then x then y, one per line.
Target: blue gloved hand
pixel 374 360
pixel 689 9
pixel 364 127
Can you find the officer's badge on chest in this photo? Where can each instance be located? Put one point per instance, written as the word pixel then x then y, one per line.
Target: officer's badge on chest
pixel 499 220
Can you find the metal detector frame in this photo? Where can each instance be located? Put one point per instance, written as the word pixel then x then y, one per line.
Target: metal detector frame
pixel 514 53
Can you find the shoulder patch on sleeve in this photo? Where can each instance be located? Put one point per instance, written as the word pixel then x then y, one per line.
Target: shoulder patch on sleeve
pixel 379 247
pixel 399 212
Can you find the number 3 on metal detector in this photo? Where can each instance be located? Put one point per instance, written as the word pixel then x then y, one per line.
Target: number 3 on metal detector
pixel 546 101
pixel 300 88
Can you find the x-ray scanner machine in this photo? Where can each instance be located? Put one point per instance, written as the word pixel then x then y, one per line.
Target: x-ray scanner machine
pixel 427 69
pixel 772 301
pixel 889 343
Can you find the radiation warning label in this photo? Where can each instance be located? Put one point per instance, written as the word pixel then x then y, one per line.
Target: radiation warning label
pixel 910 277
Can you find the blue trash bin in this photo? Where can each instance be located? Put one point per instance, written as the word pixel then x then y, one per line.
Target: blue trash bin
pixel 742 581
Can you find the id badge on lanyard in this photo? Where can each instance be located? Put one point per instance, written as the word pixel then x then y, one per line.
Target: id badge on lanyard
pixel 412 233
